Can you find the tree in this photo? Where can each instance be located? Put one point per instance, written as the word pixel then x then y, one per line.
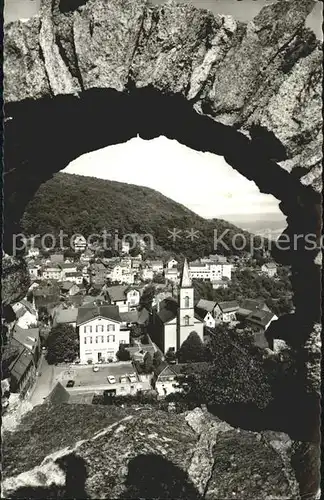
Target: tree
pixel 147 298
pixel 148 363
pixel 157 359
pixel 136 330
pixel 62 344
pixel 123 354
pixel 237 374
pixel 159 278
pixel 192 349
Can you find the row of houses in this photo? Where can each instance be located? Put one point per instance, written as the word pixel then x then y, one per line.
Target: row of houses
pixel 253 312
pixel 19 361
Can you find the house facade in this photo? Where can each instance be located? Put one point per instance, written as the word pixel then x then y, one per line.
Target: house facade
pixel 210 270
pixel 124 297
pixel 171 274
pixel 165 380
pixel 52 273
pixel 270 269
pixel 100 333
pixel 225 312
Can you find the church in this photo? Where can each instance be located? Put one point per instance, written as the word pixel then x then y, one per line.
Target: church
pixel 173 320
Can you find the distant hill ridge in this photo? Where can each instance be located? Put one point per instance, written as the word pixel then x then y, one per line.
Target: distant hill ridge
pixel 87 205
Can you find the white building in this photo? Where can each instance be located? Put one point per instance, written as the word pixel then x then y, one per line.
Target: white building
pixel 75 277
pixel 147 273
pixel 210 271
pixel 100 333
pixel 52 273
pixel 225 312
pixel 33 252
pixel 157 266
pixel 125 247
pixel 172 274
pixel 79 243
pixel 124 297
pixel 25 313
pixel 270 269
pixel 171 263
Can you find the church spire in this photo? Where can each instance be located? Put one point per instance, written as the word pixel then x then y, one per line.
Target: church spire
pixel 185 278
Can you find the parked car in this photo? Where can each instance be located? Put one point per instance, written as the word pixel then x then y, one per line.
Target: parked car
pixel 70 383
pixel 123 379
pixel 95 368
pixel 111 379
pixel 132 377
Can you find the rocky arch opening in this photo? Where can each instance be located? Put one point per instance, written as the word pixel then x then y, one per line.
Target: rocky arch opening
pixel 44 136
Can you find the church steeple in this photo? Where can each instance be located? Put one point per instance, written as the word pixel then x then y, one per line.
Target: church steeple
pixel 185 278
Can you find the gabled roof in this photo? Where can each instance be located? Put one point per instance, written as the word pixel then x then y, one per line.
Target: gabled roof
pixel 260 318
pixel 28 337
pixel 163 366
pixel 58 395
pixel 88 313
pixel 168 309
pixel 228 306
pixel 129 316
pixel 270 265
pixel 21 363
pixel 67 285
pixel 206 305
pixel 73 274
pixel 253 304
pixel 117 293
pixel 63 316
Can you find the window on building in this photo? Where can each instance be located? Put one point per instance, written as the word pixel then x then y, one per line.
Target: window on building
pixel 99 328
pixel 186 320
pixel 102 338
pixel 85 340
pixel 110 328
pixel 97 340
pixel 186 301
pixel 90 339
pixel 111 338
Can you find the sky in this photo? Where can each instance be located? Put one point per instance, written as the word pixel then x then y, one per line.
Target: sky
pixel 201 181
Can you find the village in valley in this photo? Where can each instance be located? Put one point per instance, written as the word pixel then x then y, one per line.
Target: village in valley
pixel 95 328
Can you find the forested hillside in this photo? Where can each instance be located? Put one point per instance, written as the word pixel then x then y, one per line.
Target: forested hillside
pixel 87 205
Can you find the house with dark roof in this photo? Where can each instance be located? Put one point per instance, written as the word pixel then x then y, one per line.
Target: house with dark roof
pixel 225 312
pixel 69 288
pixel 270 269
pixel 65 316
pixel 166 377
pixel 30 339
pixel 205 311
pixel 22 369
pixel 100 333
pixel 249 306
pixel 25 312
pixel 173 320
pixel 126 298
pixel 261 319
pixel 58 395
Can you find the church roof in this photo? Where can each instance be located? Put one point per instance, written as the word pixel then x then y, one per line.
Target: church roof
pixel 185 278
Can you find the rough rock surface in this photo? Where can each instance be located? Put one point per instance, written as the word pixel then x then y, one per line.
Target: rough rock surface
pixel 14 280
pixel 265 73
pixel 149 454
